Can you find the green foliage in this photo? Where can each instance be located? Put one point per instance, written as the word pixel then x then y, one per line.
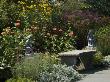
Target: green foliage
pixel 19 80
pixel 54 39
pixel 106 61
pixel 102 6
pixel 45 68
pixel 97 59
pixel 12 43
pixel 73 5
pixel 39 18
pixel 31 67
pixel 52 32
pixel 84 15
pixel 9 12
pixel 29 12
pixel 34 12
pixel 59 73
pixel 103 40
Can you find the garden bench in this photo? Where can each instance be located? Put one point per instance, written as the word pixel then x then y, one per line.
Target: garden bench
pixel 82 59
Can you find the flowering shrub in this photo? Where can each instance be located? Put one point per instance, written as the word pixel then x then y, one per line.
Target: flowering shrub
pixel 83 20
pixel 34 12
pixel 55 38
pixel 59 73
pixel 12 41
pixel 50 33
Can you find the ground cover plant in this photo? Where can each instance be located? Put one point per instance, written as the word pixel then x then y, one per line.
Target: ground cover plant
pixel 45 67
pixel 19 80
pixel 106 61
pixel 32 66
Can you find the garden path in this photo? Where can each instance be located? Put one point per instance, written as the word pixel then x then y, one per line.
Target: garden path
pixel 99 76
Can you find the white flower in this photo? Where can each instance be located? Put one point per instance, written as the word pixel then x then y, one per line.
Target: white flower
pixel 1 68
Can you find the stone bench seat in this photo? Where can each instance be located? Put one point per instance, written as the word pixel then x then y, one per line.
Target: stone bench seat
pixel 78 58
pixel 75 52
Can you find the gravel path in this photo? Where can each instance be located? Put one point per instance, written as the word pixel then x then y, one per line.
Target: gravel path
pixel 99 76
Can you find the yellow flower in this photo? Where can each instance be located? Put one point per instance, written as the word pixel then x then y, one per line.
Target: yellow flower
pixel 45 5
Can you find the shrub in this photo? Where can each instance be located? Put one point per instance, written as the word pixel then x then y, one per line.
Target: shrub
pixel 32 66
pixel 19 80
pixel 45 68
pixel 103 40
pixel 52 34
pixel 106 61
pixel 12 41
pixel 59 73
pixel 71 5
pixel 97 58
pixel 54 38
pixel 9 13
pixel 101 6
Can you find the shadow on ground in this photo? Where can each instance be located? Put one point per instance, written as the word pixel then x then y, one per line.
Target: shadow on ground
pixel 92 71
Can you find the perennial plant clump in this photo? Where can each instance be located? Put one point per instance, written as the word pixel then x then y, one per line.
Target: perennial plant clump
pixel 12 41
pixel 45 68
pixel 31 67
pixel 103 40
pixel 59 73
pixel 19 80
pixel 97 59
pixel 106 61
